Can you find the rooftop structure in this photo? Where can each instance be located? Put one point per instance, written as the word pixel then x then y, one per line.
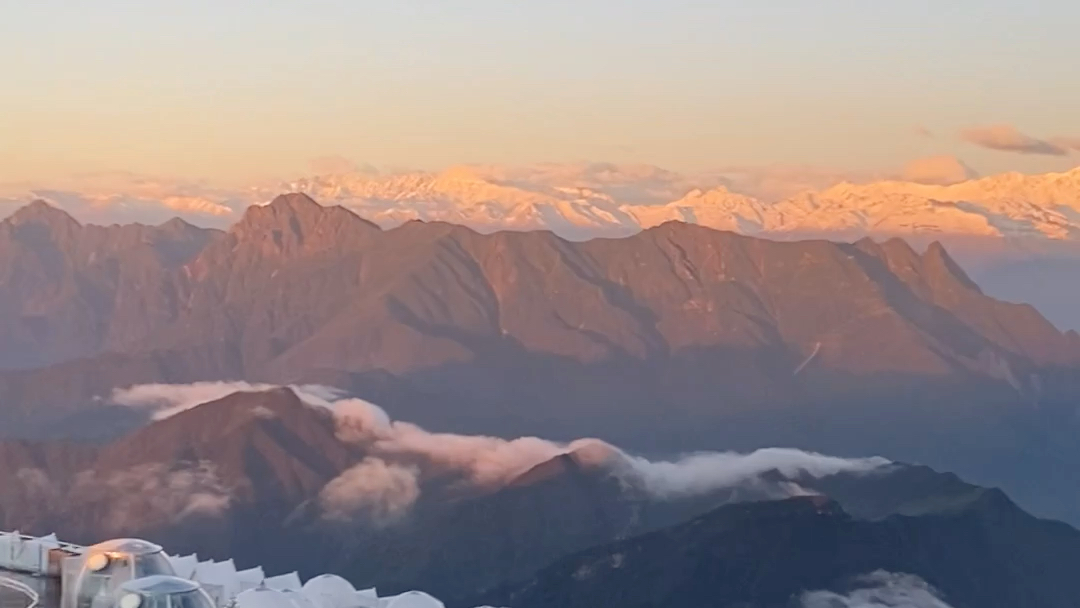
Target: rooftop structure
pixel 132 573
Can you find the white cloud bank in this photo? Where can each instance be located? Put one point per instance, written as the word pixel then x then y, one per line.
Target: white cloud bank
pixel 401 455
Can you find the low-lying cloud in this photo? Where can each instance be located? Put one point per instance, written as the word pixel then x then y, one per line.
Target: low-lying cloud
pixel 374 489
pixel 938 170
pixel 706 472
pixel 145 495
pixel 1007 138
pixel 166 400
pixel 152 494
pixel 879 590
pixel 401 456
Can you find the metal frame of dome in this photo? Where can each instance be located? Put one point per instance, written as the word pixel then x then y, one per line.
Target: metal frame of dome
pixel 127 546
pixel 160 583
pixel 149 591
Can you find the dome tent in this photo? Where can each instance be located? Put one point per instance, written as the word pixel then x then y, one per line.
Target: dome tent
pixel 92 579
pixel 413 599
pixel 162 591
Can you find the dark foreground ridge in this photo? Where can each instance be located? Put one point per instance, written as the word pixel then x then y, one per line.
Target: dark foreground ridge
pixel 766 555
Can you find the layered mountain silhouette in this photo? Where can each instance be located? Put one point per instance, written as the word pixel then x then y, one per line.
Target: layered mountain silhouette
pixel 295 287
pixel 990 224
pixel 676 338
pixel 246 477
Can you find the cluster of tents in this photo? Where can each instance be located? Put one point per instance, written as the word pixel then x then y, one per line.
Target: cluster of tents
pixel 225 585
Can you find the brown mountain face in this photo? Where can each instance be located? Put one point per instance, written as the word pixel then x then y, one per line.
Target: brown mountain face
pixel 70 291
pixel 266 446
pixel 511 332
pixel 212 478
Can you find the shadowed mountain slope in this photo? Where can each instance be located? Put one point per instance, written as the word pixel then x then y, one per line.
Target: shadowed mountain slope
pixel 989 554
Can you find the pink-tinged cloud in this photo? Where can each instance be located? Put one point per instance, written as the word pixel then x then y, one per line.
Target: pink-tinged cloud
pixel 938 170
pixel 777 182
pixel 196 204
pixel 1070 143
pixel 1007 138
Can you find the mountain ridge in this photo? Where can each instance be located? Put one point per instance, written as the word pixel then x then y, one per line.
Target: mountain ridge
pixel 770 554
pixel 728 339
pixel 580 201
pixel 465 294
pixel 1006 205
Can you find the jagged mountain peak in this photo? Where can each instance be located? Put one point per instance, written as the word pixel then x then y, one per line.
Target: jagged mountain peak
pixel 177 224
pixel 301 211
pixel 238 413
pixel 938 262
pixel 295 224
pixel 296 202
pixel 42 212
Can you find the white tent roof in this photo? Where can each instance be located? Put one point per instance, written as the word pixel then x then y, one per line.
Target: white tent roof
pixel 220 574
pixel 368 598
pixel 290 581
pixel 249 579
pixel 413 599
pixel 298 599
pixel 215 572
pixel 330 591
pixel 263 597
pixel 184 565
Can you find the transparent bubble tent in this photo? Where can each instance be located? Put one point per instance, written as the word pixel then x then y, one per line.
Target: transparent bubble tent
pixel 132 573
pixel 93 578
pixel 162 591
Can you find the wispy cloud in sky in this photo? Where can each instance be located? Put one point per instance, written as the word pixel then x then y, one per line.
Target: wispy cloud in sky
pixel 1072 143
pixel 1007 138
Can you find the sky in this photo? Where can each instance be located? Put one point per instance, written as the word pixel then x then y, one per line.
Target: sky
pixel 232 91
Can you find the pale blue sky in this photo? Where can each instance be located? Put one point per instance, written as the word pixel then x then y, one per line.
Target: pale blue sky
pixel 237 89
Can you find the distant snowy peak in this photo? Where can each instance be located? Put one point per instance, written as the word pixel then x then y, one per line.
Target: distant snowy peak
pixel 585 200
pixel 717 208
pixel 1011 204
pixel 467 196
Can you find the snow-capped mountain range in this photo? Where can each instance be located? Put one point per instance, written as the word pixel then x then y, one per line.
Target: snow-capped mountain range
pixel 1045 206
pixel 584 200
